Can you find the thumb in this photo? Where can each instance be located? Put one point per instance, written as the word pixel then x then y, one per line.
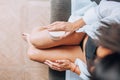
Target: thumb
pixel 66 34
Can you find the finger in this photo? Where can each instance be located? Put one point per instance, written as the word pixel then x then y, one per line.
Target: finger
pixel 56 28
pixel 60 61
pixel 53 63
pixel 56 68
pixel 61 68
pixel 53 24
pixel 49 26
pixel 47 63
pixel 65 35
pixel 63 62
pixel 53 67
pixel 50 65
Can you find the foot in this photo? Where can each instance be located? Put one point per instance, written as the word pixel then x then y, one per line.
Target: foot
pixel 26 37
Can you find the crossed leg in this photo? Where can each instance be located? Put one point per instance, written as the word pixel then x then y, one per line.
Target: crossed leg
pixel 42 47
pixel 41 39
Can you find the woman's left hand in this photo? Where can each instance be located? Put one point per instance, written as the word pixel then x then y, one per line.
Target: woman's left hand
pixel 59 65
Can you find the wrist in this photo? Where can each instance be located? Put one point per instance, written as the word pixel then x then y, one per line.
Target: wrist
pixel 79 23
pixel 73 67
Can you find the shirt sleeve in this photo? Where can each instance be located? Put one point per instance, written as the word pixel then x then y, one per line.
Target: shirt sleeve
pixel 91 16
pixel 79 12
pixel 107 12
pixel 92 29
pixel 83 69
pixel 113 18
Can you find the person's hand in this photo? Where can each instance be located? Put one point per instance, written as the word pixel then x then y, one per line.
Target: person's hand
pixel 68 27
pixel 59 65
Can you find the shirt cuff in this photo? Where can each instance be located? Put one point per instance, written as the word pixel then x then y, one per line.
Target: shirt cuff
pixel 90 30
pixel 83 69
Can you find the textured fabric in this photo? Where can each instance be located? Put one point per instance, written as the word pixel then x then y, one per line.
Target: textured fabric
pixel 84 75
pixel 107 11
pixel 79 7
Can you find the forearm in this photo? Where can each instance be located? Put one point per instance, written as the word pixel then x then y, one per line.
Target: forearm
pixel 79 23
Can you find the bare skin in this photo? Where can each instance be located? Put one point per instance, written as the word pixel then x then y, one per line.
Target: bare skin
pixel 41 39
pixel 46 50
pixel 67 54
pixel 62 65
pixel 42 47
pixel 60 52
pixel 61 57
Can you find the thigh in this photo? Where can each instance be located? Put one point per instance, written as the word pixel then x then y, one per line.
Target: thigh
pixel 40 38
pixel 61 52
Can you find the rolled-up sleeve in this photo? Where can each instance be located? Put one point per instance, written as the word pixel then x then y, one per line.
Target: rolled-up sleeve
pixel 91 16
pixel 90 30
pixel 83 69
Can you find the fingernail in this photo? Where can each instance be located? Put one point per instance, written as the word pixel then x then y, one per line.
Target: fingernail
pixel 45 62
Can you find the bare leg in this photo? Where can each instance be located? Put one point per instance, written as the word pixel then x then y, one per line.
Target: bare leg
pixel 41 39
pixel 61 52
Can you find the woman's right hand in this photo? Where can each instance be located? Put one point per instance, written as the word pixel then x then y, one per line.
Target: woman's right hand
pixel 68 27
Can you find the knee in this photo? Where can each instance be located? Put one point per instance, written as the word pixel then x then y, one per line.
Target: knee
pixel 36 39
pixel 34 55
pixel 31 55
pixel 38 42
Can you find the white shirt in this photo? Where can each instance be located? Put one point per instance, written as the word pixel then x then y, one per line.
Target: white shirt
pixel 84 75
pixel 92 14
pixel 106 11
